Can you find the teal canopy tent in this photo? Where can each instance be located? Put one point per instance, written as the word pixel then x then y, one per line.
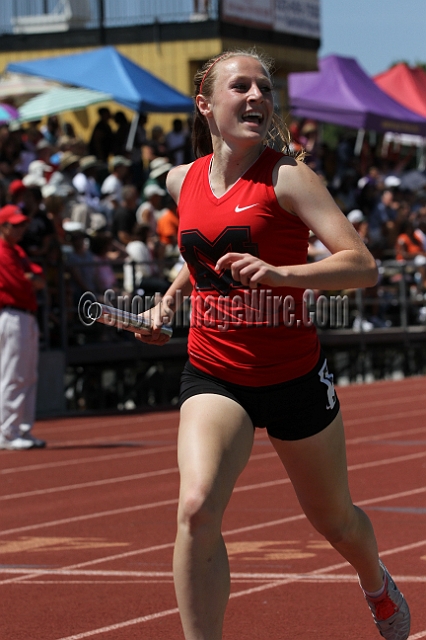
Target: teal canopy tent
pixel 58 100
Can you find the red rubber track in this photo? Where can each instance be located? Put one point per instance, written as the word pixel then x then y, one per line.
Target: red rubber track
pixel 87 529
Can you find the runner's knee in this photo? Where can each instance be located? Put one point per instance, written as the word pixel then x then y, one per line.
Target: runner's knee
pixel 336 527
pixel 199 514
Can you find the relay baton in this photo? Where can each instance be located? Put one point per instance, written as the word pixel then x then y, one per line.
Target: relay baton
pixel 122 319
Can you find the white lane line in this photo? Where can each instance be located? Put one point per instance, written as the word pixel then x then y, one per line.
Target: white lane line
pixel 361 503
pixel 142 452
pixel 369 404
pixel 371 388
pixel 152 505
pixel 403 415
pixel 96 483
pixel 122 625
pixel 417 636
pixel 169 581
pixel 350 394
pixel 385 436
pixel 93 572
pixel 236 594
pixel 66 583
pixel 238 530
pixel 235 575
pixel 91 516
pixel 70 424
pixel 352 467
pixel 104 440
pixel 101 441
pixel 261 485
pixel 406 458
pixel 81 424
pixel 102 458
pixel 87 563
pixel 82 460
pixel 93 483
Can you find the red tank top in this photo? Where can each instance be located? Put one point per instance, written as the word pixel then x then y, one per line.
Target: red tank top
pixel 252 337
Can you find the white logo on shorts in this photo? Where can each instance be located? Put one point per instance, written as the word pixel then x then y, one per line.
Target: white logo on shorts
pixel 328 379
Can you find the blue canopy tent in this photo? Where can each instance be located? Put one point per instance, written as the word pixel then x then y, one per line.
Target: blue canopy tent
pixel 108 71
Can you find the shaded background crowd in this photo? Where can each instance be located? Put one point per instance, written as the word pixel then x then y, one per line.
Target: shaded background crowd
pixel 98 209
pixel 99 216
pixel 381 188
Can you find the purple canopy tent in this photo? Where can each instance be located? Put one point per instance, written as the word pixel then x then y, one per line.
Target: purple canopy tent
pixel 341 93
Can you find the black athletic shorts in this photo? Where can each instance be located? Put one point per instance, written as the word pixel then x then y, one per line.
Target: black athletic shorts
pixel 291 410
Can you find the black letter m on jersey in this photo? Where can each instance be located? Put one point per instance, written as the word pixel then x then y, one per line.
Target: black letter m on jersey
pixel 202 255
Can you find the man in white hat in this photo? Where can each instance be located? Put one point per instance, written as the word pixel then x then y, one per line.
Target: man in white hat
pixel 62 179
pixel 111 189
pixel 150 211
pixel 359 222
pixel 158 170
pixel 35 176
pixel 85 183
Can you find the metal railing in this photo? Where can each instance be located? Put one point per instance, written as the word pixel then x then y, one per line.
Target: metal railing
pixel 398 302
pixel 377 333
pixel 107 13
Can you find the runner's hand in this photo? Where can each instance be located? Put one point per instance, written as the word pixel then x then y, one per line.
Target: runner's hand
pixel 162 313
pixel 250 270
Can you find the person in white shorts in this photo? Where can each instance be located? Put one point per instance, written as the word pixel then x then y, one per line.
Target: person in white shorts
pixel 19 280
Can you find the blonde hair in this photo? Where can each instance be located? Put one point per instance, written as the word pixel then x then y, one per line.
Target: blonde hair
pixel 204 80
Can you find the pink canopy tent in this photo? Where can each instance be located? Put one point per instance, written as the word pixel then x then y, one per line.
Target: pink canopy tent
pixel 405 84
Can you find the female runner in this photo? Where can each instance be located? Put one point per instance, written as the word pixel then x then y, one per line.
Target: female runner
pixel 245 212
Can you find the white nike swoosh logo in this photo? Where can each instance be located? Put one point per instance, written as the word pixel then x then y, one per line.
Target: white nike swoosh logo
pixel 238 208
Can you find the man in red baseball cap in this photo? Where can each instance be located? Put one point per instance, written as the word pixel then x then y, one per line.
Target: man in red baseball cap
pixel 19 334
pixel 13 215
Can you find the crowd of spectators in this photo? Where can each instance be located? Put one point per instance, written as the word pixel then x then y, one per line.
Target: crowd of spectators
pixel 99 216
pixel 382 191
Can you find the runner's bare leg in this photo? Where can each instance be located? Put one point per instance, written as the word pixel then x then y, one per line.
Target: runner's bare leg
pixel 317 468
pixel 214 445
